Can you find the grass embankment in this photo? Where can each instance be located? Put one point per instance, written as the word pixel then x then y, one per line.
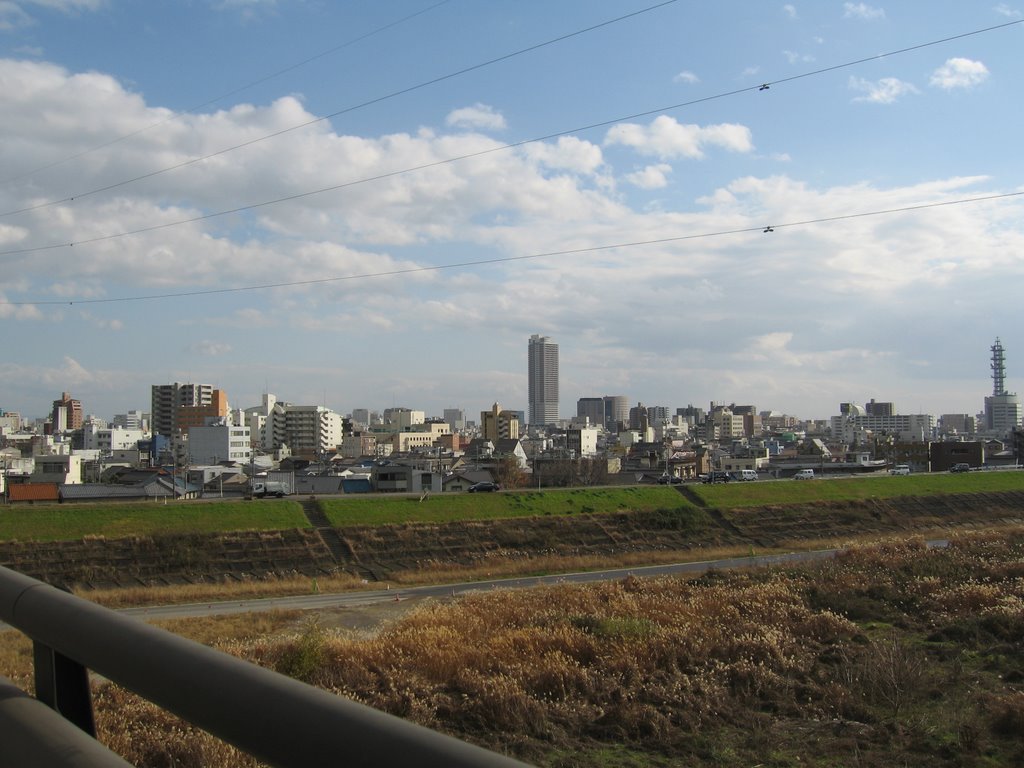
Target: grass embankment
pixel 66 522
pixel 762 494
pixel 447 508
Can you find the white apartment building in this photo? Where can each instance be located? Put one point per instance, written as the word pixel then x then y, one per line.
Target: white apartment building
pixel 907 427
pixel 109 439
pixel 403 418
pixel 9 421
pixel 309 431
pixel 218 442
pixel 582 440
pixel 422 436
pixel 727 424
pixel 132 420
pixel 61 469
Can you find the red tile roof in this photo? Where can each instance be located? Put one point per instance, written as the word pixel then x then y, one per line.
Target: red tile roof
pixel 33 492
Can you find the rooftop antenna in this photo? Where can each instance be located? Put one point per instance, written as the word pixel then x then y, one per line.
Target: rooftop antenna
pixel 998 369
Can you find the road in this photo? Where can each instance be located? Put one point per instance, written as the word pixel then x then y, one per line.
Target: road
pixel 363 598
pixel 337 600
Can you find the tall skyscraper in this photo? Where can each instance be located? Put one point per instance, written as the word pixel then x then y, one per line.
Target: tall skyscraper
pixel 542 356
pixel 616 412
pixel 591 409
pixel 1002 408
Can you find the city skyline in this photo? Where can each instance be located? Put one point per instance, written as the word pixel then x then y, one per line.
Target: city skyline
pixel 786 204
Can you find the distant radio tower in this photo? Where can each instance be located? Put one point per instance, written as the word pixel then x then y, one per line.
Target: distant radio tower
pixel 998 369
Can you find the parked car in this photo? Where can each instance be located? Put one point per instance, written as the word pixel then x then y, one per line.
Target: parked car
pixel 804 474
pixel 900 469
pixel 747 474
pixel 483 488
pixel 960 468
pixel 717 477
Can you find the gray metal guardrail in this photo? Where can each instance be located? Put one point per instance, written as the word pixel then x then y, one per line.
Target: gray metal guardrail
pixel 33 734
pixel 278 720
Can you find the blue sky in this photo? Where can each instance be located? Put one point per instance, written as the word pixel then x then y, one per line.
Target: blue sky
pixel 901 306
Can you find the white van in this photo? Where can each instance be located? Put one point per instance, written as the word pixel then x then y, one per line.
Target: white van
pixel 804 474
pixel 746 474
pixel 900 469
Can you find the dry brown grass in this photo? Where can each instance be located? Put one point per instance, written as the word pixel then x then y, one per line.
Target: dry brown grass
pixel 272 586
pixel 891 654
pixel 499 567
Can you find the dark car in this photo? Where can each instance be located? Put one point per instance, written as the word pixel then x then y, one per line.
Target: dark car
pixel 718 477
pixel 483 488
pixel 960 468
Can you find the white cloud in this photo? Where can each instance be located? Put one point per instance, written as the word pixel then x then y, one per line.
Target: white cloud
pixel 862 11
pixel 477 116
pixel 18 311
pixel 208 348
pixel 1005 10
pixel 884 91
pixel 959 73
pixel 790 11
pixel 686 77
pixel 795 58
pixel 666 138
pixel 102 323
pixel 68 6
pixel 16 13
pixel 567 153
pixel 651 177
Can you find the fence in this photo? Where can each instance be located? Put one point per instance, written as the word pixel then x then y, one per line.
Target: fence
pixel 280 721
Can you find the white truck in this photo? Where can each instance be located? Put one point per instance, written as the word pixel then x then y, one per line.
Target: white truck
pixel 263 488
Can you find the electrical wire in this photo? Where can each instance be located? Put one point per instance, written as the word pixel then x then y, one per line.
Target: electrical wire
pixel 346 110
pixel 769 228
pixel 266 78
pixel 480 153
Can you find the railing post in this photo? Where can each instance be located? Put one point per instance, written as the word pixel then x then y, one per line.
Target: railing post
pixel 63 685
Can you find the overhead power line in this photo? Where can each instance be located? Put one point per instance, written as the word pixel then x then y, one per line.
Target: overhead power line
pixel 763 228
pixel 346 110
pixel 232 92
pixel 479 153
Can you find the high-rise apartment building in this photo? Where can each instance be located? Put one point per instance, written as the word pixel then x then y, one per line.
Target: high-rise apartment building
pixel 168 399
pixel 309 431
pixel 542 358
pixel 201 415
pixel 67 414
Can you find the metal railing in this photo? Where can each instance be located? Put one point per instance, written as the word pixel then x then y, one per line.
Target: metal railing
pixel 278 720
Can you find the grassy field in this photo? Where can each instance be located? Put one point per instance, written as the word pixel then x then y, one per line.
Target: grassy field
pixel 759 494
pixel 66 522
pixel 63 522
pixel 364 510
